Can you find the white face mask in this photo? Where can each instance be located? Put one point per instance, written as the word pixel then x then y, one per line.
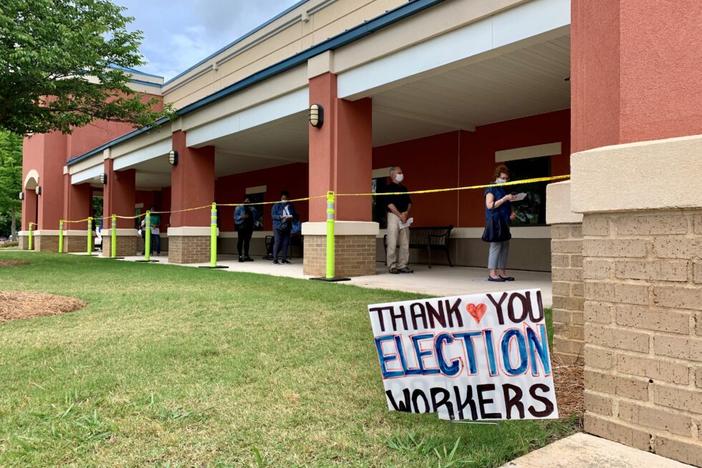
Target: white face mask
pixel 500 180
pixel 399 178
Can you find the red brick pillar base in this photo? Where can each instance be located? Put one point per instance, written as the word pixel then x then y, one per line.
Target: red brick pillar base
pixel 74 240
pixel 46 241
pixel 354 248
pixel 126 243
pixel 189 245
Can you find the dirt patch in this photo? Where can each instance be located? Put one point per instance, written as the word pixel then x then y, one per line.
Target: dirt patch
pixel 569 389
pixel 12 263
pixel 16 305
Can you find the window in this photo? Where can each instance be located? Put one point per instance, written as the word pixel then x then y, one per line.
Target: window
pixel 379 208
pixel 257 195
pixel 532 210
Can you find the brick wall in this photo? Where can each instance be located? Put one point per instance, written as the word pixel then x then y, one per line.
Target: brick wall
pixel 75 243
pixel 643 330
pixel 567 274
pixel 23 242
pixel 126 246
pixel 354 255
pixel 46 243
pixel 189 249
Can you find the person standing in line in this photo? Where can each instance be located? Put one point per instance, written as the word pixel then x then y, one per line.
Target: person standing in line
pixel 498 214
pixel 244 217
pixel 398 211
pixel 155 232
pixel 283 215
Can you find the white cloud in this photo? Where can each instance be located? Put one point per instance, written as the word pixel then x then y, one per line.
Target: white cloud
pixel 180 33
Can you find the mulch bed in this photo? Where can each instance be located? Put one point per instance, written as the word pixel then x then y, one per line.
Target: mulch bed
pixel 13 263
pixel 16 305
pixel 569 389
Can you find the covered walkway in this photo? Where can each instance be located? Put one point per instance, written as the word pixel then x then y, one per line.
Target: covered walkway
pixel 437 281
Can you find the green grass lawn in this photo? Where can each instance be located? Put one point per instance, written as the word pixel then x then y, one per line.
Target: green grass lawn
pixel 182 366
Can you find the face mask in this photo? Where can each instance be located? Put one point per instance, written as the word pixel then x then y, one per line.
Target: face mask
pixel 500 181
pixel 399 178
pixel 284 202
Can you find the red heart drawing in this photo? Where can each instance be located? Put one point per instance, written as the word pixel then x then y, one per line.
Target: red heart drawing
pixel 477 311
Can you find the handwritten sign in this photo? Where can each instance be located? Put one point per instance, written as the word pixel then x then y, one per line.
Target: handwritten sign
pixel 475 357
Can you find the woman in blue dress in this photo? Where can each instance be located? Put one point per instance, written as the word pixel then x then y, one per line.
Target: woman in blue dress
pixel 498 214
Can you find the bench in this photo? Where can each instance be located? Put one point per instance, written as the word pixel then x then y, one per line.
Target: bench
pixel 430 238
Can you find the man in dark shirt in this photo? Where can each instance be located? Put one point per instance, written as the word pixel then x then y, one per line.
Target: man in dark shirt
pixel 398 206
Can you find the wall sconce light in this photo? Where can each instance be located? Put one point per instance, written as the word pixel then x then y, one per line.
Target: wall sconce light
pixel 21 196
pixel 37 190
pixel 173 157
pixel 316 115
pixel 103 178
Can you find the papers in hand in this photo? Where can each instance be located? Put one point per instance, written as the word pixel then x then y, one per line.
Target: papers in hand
pixel 407 224
pixel 519 196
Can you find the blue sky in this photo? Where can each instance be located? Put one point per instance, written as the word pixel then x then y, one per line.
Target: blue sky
pixel 179 33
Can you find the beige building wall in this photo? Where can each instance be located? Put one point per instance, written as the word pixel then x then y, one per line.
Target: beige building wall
pixel 305 26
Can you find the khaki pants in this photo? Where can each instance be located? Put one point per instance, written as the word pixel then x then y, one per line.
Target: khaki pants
pixel 397 259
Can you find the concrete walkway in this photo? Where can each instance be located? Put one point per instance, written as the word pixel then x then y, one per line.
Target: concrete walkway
pixel 437 281
pixel 587 451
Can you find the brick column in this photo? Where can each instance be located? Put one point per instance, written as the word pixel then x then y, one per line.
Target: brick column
pixel 119 196
pixel 566 274
pixel 76 205
pixel 192 185
pixel 340 159
pixel 636 137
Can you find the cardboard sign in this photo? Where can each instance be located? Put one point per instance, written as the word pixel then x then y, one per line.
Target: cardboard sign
pixel 477 357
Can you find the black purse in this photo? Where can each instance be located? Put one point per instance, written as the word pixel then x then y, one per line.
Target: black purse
pixel 496 228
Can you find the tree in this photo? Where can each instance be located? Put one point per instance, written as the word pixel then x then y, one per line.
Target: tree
pixel 10 181
pixel 61 66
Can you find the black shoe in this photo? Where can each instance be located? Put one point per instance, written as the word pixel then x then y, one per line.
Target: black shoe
pixel 405 270
pixel 286 261
pixel 507 278
pixel 393 271
pixel 276 262
pixel 499 279
pixel 248 259
pixel 241 260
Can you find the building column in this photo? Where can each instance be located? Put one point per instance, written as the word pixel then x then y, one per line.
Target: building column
pixel 50 201
pixel 29 215
pixel 637 137
pixel 192 185
pixel 77 201
pixel 119 195
pixel 566 274
pixel 340 159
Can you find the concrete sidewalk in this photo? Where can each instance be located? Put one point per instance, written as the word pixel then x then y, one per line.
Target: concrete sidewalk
pixel 587 451
pixel 437 281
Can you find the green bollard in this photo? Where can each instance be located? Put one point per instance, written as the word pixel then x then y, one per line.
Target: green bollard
pixel 60 247
pixel 89 243
pixel 30 237
pixel 147 236
pixel 213 239
pixel 213 236
pixel 331 260
pixel 113 237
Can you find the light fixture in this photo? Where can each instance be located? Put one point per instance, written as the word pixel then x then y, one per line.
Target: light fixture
pixel 316 115
pixel 103 178
pixel 173 157
pixel 21 196
pixel 37 190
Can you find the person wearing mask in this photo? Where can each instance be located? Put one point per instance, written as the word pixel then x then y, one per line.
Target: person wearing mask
pixel 283 216
pixel 244 217
pixel 498 214
pixel 398 210
pixel 155 231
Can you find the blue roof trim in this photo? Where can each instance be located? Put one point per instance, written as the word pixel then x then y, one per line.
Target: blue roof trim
pixel 248 34
pixel 340 40
pixel 134 70
pixel 146 83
